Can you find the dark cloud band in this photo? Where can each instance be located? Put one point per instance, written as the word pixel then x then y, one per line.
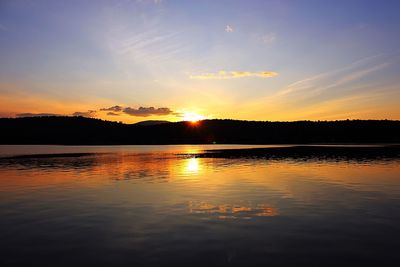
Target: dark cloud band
pixel 144 112
pixel 111 111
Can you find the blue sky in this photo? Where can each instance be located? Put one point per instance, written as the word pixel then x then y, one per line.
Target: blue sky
pixel 262 60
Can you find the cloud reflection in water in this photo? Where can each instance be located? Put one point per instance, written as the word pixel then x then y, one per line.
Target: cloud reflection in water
pixel 232 211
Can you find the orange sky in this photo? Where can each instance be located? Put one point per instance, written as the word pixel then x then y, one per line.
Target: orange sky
pixel 163 60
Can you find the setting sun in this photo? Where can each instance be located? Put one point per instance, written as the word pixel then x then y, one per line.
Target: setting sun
pixel 193 117
pixel 193 133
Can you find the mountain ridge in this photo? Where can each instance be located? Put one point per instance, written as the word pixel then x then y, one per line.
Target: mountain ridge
pixel 150 122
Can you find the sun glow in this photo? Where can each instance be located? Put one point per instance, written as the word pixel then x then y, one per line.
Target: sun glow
pixel 192 165
pixel 193 117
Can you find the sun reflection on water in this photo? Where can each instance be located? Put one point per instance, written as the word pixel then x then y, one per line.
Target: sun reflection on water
pixel 191 166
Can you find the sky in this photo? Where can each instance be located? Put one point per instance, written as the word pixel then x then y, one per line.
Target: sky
pixel 167 60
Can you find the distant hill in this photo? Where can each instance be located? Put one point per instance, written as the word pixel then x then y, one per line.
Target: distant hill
pixel 85 131
pixel 150 122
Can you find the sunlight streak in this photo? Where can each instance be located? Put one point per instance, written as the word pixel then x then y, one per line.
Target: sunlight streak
pixel 192 166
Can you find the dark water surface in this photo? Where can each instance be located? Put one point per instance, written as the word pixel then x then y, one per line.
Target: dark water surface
pixel 148 206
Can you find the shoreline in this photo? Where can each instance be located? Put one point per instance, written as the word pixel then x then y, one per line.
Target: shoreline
pixel 307 151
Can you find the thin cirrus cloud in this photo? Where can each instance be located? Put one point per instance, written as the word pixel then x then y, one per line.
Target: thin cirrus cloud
pixel 268 38
pixel 146 47
pixel 223 75
pixel 340 80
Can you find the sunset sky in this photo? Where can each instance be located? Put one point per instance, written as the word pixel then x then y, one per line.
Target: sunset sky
pixel 163 60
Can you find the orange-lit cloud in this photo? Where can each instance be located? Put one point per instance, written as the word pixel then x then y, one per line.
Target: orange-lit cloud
pixel 144 112
pixel 110 113
pixel 234 74
pixel 114 108
pixel 139 112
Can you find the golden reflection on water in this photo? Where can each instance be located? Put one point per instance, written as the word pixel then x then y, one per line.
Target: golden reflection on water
pixel 164 200
pixel 215 188
pixel 103 168
pixel 192 165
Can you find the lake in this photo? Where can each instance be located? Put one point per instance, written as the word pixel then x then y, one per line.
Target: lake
pixel 163 206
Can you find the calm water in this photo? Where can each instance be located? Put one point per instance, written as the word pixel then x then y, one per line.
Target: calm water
pixel 148 206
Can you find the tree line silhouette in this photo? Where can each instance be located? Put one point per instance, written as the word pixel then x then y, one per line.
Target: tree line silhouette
pixel 88 131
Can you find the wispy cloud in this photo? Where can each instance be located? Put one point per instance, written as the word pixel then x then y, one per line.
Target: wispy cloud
pixel 222 75
pixel 148 46
pixel 335 80
pixel 268 38
pixel 228 28
pixel 350 90
pixel 149 1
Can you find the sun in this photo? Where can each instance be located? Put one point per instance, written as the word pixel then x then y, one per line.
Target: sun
pixel 193 117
